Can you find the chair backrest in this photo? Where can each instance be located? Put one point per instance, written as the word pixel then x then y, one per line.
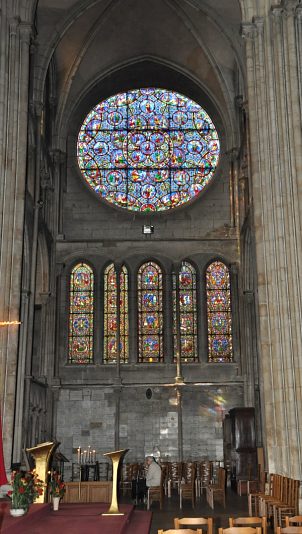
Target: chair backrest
pixel 196 521
pixel 289 530
pixel 188 471
pixel 221 478
pixel 175 471
pixel 249 521
pixel 240 530
pixel 295 520
pixel 180 531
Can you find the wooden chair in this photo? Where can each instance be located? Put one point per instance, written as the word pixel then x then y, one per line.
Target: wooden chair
pixel 281 510
pixel 274 495
pixel 175 475
pixel 284 490
pixel 187 489
pixel 194 521
pixel 254 495
pixel 217 491
pixel 296 520
pixel 126 478
pixel 240 530
pixel 289 530
pixel 156 493
pixel 249 521
pixel 181 531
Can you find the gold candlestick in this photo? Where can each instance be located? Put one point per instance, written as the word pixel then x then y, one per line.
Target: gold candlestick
pixel 116 457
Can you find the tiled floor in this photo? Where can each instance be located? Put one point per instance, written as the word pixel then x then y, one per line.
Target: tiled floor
pixel 235 506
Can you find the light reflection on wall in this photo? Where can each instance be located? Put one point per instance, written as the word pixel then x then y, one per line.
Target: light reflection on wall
pixel 217 405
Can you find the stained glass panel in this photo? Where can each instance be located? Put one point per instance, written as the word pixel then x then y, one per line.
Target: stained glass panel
pixel 187 312
pixel 110 315
pixel 219 315
pixel 150 313
pixel 81 315
pixel 148 149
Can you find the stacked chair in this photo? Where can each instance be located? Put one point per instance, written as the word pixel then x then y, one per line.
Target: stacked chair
pixel 187 485
pixel 217 491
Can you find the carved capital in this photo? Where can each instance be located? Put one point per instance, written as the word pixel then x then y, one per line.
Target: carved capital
pixel 234 269
pixel 45 179
pixel 232 154
pixel 38 108
pixel 13 25
pixel 248 296
pixel 276 12
pixel 290 7
pixel 45 297
pixel 259 23
pixel 57 156
pixel 25 30
pixel 299 13
pixel 248 31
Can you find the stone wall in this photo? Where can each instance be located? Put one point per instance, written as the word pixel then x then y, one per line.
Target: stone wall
pixel 87 416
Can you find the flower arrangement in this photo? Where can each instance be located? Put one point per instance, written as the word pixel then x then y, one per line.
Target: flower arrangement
pixel 56 485
pixel 26 487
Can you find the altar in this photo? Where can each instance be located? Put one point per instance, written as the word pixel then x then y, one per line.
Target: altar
pixel 88 492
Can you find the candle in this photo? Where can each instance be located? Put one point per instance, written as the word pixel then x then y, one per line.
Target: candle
pixel 79 455
pixel 82 456
pixel 89 454
pixel 94 457
pixel 85 457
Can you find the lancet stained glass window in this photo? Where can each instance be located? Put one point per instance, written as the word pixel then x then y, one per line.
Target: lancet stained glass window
pixel 110 315
pixel 148 149
pixel 81 315
pixel 187 311
pixel 219 315
pixel 150 313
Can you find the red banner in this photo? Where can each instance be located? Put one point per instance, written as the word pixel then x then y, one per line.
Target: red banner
pixel 3 479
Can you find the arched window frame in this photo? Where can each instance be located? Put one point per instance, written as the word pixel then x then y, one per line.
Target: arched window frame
pixel 228 357
pixel 71 313
pixel 189 338
pixel 141 333
pixel 124 314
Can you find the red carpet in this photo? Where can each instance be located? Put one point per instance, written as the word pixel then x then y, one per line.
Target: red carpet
pixel 74 519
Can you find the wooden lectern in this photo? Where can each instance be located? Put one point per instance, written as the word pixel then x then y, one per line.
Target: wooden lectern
pixel 42 455
pixel 116 457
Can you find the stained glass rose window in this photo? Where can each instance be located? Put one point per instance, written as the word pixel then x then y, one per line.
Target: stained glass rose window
pixel 148 149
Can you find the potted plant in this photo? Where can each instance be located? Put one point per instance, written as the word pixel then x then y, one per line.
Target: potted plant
pixel 56 488
pixel 26 487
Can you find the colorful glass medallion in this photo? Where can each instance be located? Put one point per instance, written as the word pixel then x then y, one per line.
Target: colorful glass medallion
pixel 219 314
pixel 148 149
pixel 80 346
pixel 112 327
pixel 185 292
pixel 150 313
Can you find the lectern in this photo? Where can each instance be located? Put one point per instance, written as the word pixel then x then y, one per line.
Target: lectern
pixel 116 457
pixel 42 455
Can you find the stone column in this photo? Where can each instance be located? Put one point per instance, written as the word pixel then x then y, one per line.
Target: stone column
pixel 19 410
pixel 179 377
pixel 14 75
pixel 272 54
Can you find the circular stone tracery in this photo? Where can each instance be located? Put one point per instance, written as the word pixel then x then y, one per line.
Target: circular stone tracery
pixel 148 149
